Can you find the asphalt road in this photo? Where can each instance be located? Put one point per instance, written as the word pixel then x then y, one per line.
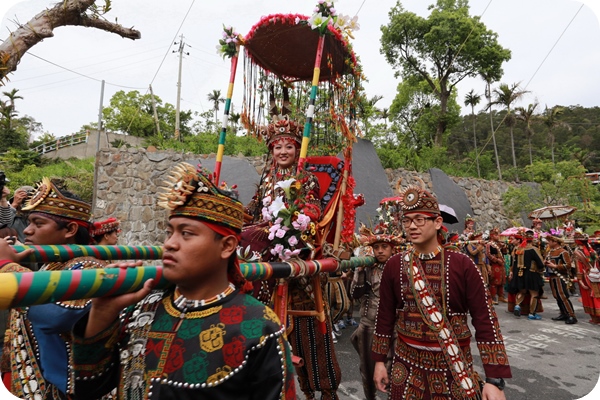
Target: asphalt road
pixel 549 360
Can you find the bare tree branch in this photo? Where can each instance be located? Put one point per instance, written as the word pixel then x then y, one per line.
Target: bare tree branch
pixel 40 27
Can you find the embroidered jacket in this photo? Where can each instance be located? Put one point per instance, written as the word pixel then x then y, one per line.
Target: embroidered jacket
pixel 233 348
pixel 459 288
pixel 39 341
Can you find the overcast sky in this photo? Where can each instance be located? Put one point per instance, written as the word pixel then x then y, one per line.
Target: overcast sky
pixel 555 53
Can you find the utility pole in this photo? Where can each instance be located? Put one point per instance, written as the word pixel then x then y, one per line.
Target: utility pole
pixel 155 113
pixel 98 142
pixel 180 51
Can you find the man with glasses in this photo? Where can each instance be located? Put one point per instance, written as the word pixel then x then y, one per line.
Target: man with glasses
pixel 426 295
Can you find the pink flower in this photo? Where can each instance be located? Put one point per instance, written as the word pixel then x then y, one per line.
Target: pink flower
pixel 273 231
pixel 280 233
pixel 293 240
pixel 287 254
pixel 301 222
pixel 276 251
pixel 265 214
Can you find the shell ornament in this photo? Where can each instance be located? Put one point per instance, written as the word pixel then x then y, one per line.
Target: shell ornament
pixel 411 197
pixel 41 192
pixel 178 186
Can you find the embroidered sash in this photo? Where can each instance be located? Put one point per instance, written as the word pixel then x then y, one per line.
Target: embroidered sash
pixel 429 308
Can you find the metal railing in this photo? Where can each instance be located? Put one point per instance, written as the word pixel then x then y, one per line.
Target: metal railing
pixel 61 142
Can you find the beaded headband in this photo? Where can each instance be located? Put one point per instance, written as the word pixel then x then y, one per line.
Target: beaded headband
pixel 48 199
pixel 417 200
pixel 106 226
pixel 188 192
pixel 383 238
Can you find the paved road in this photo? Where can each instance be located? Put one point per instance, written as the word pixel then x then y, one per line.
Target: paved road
pixel 550 360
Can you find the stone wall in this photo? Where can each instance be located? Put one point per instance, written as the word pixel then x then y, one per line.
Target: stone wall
pixel 127 180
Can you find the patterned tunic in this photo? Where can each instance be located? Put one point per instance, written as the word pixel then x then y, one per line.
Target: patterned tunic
pixel 39 341
pixel 560 282
pixel 233 348
pixel 420 369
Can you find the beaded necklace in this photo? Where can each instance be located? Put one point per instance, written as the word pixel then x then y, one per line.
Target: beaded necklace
pixel 183 304
pixel 428 256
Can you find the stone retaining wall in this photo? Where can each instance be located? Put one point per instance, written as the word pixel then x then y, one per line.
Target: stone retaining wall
pixel 127 180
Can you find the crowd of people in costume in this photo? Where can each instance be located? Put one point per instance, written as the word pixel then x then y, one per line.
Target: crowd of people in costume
pixel 213 334
pixel 522 263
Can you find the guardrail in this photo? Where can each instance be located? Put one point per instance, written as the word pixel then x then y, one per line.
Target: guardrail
pixel 59 143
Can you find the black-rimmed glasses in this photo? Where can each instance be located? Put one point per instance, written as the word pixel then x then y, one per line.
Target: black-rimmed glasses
pixel 418 221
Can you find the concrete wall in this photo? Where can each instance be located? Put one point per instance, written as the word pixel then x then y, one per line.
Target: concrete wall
pixel 88 149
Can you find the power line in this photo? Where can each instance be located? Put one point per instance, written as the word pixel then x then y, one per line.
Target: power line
pixel 554 45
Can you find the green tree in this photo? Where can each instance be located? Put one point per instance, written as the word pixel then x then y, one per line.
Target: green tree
pixel 443 49
pixel 506 95
pixel 131 113
pixel 563 183
pixel 416 111
pixel 13 130
pixel 472 99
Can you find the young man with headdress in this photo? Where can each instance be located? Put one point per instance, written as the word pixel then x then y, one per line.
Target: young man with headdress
pixel 39 342
pixel 525 276
pixel 588 276
pixel 558 262
pixel 426 295
pixel 495 251
pixel 365 288
pixel 106 232
pixel 201 338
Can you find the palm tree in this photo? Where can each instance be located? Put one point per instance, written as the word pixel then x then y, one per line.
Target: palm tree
pixel 506 95
pixel 10 105
pixel 472 99
pixel 527 116
pixel 367 109
pixel 384 114
pixel 551 121
pixel 215 98
pixel 235 119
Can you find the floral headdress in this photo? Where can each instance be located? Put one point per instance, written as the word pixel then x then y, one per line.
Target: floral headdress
pixel 469 220
pixel 189 192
